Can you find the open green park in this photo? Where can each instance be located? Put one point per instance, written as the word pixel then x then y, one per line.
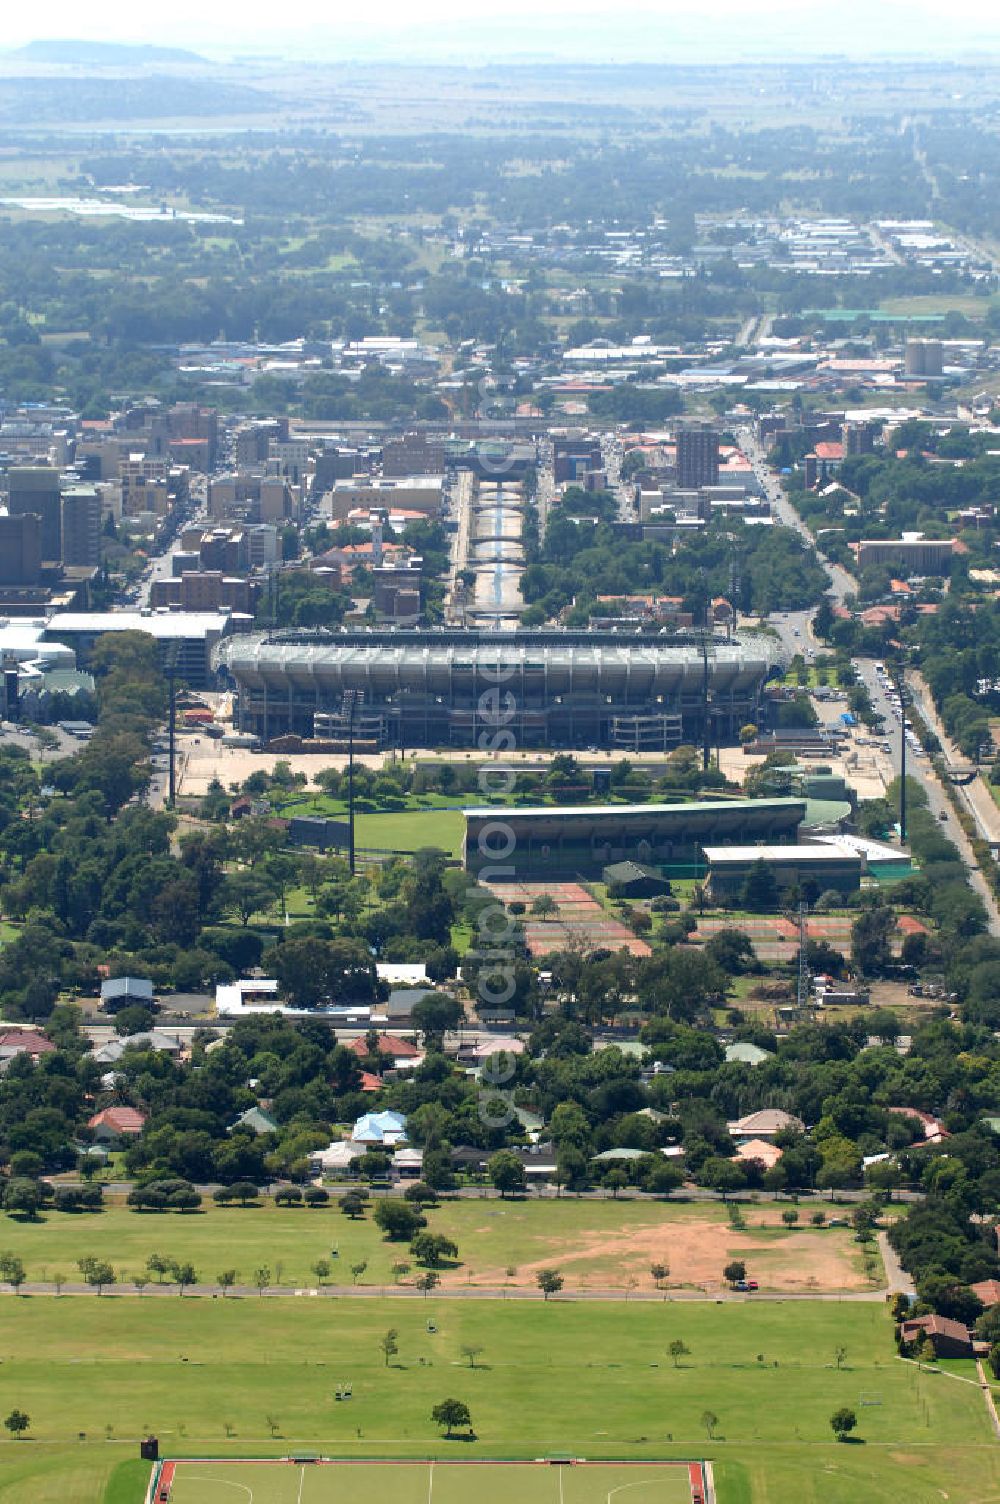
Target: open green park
pixel 246 1377
pixel 596 1244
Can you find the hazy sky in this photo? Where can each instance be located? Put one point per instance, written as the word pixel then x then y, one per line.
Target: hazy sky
pixel 634 28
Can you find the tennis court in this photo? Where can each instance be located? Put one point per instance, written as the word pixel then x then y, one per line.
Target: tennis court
pixel 291 1482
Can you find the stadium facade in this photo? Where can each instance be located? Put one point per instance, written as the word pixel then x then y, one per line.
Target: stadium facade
pixel 450 688
pixel 519 844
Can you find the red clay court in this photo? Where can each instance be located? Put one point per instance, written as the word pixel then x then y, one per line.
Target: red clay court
pixel 579 921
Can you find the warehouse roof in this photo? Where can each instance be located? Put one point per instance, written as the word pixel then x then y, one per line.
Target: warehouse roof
pixel 828 853
pixel 691 807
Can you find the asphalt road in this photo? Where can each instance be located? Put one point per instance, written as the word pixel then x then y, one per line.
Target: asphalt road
pixel 793 628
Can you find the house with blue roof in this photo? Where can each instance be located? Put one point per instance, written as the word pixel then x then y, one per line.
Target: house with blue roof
pixel 383 1130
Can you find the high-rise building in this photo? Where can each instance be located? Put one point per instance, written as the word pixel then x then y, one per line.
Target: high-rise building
pixel 35 488
pixel 857 439
pixel 697 458
pixel 81 526
pixel 20 549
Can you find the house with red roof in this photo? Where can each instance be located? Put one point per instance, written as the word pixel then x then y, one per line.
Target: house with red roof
pixel 387 1044
pixel 113 1125
pixel 934 1129
pixel 14 1042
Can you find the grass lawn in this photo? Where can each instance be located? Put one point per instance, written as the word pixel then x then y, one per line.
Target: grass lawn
pixel 595 1243
pixel 259 1378
pixel 408 830
pixel 936 302
pixel 8 932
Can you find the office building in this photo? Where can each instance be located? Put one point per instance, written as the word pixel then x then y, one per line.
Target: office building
pixel 857 439
pixel 20 549
pixel 912 554
pixel 188 637
pixel 35 489
pixel 697 458
pixel 81 526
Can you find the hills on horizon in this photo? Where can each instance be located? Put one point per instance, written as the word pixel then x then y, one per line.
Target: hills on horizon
pixel 98 54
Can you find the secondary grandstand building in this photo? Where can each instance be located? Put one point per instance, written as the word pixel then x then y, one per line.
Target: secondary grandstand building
pixel 545 842
pixel 453 688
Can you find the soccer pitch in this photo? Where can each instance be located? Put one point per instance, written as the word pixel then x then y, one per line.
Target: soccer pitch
pixel 207 1482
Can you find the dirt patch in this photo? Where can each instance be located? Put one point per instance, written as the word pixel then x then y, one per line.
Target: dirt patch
pixel 695 1250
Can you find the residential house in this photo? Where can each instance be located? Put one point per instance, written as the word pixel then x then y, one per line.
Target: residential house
pixel 767 1123
pixel 116 1125
pixel 934 1130
pixel 379 1130
pixel 256 1120
pixel 758 1148
pixel 950 1339
pixel 15 1042
pixel 119 992
pixel 745 1053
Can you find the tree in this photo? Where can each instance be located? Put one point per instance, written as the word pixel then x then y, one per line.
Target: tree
pixel 353 1203
pixel 431 1248
pixel 451 1414
pixel 543 906
pixel 184 1275
pixel 321 1269
pixel 17 1423
pixel 425 1282
pixel 549 1281
pixel 226 1279
pixel 22 1197
pixel 12 1270
pixel 871 937
pixel 421 1194
pixel 678 1349
pixel 158 1265
pixel 709 1420
pixel 244 894
pixel 659 1273
pixel 262 1278
pixel 662 1178
pixel 507 1173
pixel 840 1355
pixel 471 1350
pixel 389 1343
pixel 735 1272
pixel 96 1272
pixel 615 1181
pixel 435 1014
pixel 790 1216
pixel 357 1270
pixel 842 1422
pixel 399 1220
pixel 760 889
pixel 400 1270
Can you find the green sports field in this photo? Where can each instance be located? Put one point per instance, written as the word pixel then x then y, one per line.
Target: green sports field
pixel 251 1378
pixel 198 1482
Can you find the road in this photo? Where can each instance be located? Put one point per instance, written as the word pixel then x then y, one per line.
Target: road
pixel 896 1278
pixel 793 628
pixel 712 1293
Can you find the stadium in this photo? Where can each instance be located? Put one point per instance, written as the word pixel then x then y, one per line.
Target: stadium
pixel 448 688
